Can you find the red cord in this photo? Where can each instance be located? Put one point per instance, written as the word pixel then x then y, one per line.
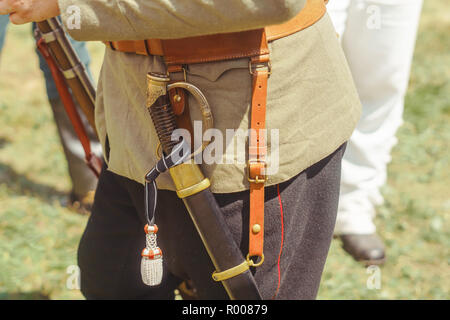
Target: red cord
pixel 282 238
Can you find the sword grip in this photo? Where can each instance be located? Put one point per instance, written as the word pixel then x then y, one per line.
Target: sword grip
pixel 161 111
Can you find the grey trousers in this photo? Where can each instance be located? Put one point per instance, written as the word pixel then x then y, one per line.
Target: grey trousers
pixel 299 213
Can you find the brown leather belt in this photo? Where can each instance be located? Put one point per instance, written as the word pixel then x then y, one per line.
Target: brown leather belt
pixel 247 44
pixel 222 46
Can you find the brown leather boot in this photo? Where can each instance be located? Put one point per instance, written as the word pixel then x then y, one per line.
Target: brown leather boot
pixel 367 248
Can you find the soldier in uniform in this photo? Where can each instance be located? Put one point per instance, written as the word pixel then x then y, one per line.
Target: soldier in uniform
pixel 310 102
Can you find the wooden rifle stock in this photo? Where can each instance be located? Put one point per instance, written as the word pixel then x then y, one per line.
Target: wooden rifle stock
pixel 68 71
pixel 70 65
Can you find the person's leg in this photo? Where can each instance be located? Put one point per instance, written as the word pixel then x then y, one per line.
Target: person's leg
pixel 378 42
pixel 4 20
pixel 109 253
pixel 309 205
pixel 83 180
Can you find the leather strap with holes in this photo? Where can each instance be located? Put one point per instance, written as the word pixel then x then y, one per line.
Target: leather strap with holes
pixel 260 70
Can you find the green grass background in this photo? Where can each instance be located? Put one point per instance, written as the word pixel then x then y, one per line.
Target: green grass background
pixel 39 237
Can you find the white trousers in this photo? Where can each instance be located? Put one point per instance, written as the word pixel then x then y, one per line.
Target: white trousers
pixel 378 38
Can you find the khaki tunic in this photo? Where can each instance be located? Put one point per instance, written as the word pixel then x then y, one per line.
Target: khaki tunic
pixel 312 102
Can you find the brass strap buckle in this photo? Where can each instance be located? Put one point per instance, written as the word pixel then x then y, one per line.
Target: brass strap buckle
pixel 258 179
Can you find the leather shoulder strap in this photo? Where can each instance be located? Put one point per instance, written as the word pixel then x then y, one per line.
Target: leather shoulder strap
pixel 313 11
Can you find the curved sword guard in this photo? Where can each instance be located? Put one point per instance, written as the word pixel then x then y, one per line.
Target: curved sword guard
pixel 207 118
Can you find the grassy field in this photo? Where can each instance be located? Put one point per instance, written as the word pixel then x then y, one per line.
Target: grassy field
pixel 38 236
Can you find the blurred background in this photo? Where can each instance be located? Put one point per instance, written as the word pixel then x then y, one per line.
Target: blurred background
pixel 39 236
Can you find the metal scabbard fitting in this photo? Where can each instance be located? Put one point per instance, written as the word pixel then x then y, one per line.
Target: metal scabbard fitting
pixel 188 179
